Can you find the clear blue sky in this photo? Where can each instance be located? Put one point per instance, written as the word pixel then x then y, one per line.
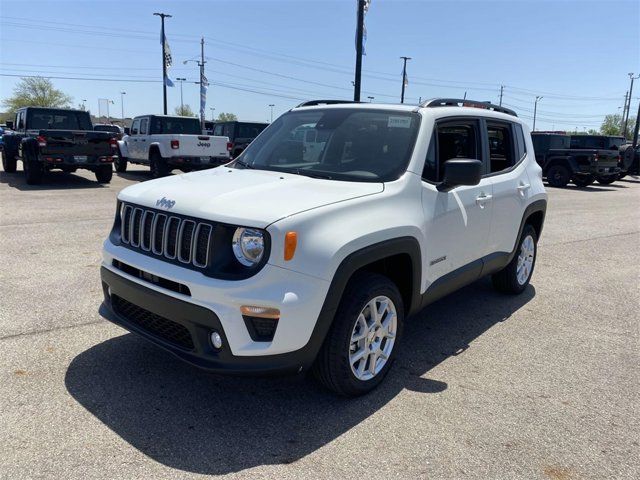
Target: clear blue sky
pixel 576 54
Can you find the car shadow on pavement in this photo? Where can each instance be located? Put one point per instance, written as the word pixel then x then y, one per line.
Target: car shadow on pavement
pixel 56 180
pixel 211 424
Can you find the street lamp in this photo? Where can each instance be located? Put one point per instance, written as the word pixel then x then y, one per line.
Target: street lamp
pixel 84 101
pixel 181 101
pixel 271 105
pixel 535 109
pixel 212 110
pixel 122 94
pixel 108 101
pixel 371 99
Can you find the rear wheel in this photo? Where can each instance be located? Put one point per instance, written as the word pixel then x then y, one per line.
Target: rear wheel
pixel 607 180
pixel 104 173
pixel 558 176
pixel 515 277
pixel 159 167
pixel 69 169
pixel 33 169
pixel 120 164
pixel 363 340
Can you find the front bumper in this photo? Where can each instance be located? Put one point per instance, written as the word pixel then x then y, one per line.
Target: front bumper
pixel 198 321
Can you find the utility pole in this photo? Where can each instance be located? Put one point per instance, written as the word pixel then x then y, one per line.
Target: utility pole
pixel 359 37
pixel 122 94
pixel 626 118
pixel 624 106
pixel 164 63
pixel 535 110
pixel 501 92
pixel 404 76
pixel 271 105
pixel 181 98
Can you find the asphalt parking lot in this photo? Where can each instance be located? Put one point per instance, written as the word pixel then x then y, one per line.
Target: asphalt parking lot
pixel 543 385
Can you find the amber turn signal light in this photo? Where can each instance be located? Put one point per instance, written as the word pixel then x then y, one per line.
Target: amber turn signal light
pixel 290 244
pixel 261 312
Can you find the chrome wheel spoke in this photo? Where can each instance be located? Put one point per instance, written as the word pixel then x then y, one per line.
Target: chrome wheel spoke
pixel 525 260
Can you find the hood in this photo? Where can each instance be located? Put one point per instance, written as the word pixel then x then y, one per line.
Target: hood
pixel 254 198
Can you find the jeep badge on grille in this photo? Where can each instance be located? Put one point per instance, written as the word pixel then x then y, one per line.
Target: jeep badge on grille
pixel 164 203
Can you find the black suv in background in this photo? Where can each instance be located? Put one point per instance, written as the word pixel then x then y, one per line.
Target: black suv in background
pixel 240 134
pixel 563 159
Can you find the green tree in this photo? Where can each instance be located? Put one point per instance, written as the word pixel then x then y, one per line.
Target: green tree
pixel 227 117
pixel 614 124
pixel 184 111
pixel 36 92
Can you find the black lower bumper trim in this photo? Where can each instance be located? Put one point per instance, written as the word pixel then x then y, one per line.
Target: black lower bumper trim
pixel 199 321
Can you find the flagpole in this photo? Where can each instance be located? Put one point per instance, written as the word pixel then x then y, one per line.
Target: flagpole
pixel 404 76
pixel 202 85
pixel 359 35
pixel 164 63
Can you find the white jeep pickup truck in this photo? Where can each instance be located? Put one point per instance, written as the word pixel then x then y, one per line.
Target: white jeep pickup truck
pixel 287 261
pixel 166 143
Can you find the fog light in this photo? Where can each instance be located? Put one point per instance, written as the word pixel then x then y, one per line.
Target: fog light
pixel 216 340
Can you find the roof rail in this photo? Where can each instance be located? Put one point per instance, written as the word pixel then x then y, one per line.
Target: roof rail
pixel 457 102
pixel 311 103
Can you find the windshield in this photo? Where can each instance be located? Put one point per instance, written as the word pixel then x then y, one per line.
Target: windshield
pixel 340 144
pixel 176 125
pixel 58 120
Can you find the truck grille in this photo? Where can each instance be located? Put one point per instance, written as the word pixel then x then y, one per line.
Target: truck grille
pixel 154 324
pixel 165 235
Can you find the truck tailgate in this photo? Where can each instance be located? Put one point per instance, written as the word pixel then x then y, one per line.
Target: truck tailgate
pixel 200 146
pixel 77 142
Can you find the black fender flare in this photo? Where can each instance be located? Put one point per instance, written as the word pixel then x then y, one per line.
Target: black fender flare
pixel 345 271
pixel 567 161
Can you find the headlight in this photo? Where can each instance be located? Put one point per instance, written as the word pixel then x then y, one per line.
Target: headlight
pixel 248 246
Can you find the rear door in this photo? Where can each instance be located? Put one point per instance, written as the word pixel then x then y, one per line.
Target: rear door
pixel 511 187
pixel 456 222
pixel 132 140
pixel 144 139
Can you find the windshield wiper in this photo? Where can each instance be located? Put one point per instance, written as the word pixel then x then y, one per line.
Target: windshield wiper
pixel 308 173
pixel 243 164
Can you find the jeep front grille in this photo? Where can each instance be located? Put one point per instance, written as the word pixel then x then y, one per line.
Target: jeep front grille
pixel 165 235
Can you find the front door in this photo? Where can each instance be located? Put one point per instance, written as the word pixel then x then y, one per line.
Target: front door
pixel 457 223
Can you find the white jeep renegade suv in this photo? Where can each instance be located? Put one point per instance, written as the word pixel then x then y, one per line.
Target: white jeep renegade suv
pixel 311 248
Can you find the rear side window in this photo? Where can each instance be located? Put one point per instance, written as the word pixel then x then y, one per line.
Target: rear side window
pixel 218 130
pixel 501 146
pixel 520 143
pixel 450 140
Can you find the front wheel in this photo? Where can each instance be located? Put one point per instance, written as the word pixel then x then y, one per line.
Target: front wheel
pixel 104 173
pixel 9 163
pixel 583 182
pixel 33 169
pixel 515 277
pixel 363 340
pixel 120 164
pixel 607 180
pixel 558 176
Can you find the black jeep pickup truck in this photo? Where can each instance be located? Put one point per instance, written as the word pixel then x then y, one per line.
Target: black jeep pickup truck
pixel 562 161
pixel 240 134
pixel 54 138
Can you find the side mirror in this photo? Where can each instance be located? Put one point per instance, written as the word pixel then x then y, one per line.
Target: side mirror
pixel 460 171
pixel 10 125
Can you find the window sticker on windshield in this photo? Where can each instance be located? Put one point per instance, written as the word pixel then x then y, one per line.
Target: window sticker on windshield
pixel 399 122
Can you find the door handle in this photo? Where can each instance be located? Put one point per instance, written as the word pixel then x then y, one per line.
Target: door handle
pixel 523 187
pixel 482 199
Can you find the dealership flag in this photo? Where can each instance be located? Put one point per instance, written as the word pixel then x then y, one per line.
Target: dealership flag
pixel 204 84
pixel 168 61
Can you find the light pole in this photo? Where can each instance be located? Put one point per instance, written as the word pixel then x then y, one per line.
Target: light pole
pixel 164 60
pixel 84 101
pixel 107 102
pixel 535 110
pixel 371 99
pixel 212 110
pixel 271 105
pixel 181 102
pixel 626 117
pixel 404 77
pixel 122 94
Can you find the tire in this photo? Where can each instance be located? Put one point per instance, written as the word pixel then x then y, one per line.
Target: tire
pixel 607 180
pixel 333 367
pixel 120 165
pixel 69 169
pixel 583 182
pixel 33 169
pixel 621 175
pixel 512 279
pixel 9 163
pixel 558 176
pixel 104 173
pixel 159 167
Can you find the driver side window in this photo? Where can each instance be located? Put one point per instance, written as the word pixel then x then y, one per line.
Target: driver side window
pixel 450 140
pixel 135 127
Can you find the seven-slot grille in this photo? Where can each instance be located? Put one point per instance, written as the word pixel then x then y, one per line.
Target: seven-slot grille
pixel 166 235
